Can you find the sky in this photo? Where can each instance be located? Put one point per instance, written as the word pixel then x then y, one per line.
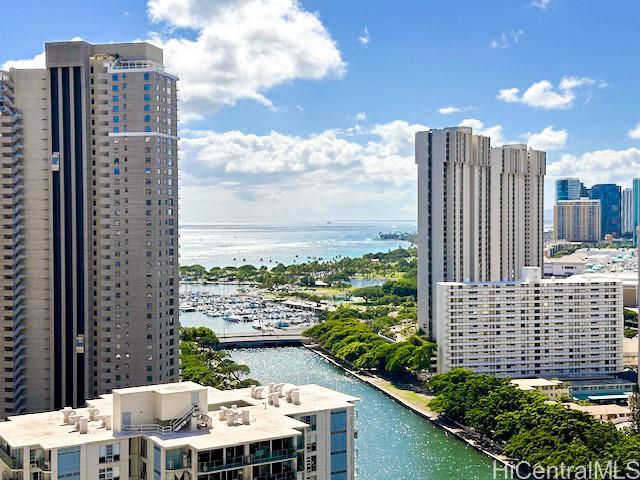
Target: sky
pixel 306 110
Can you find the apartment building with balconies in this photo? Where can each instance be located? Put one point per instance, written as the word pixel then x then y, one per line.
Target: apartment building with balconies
pixel 551 328
pixel 187 431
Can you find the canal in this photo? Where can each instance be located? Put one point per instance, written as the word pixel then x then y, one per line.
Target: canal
pixel 393 442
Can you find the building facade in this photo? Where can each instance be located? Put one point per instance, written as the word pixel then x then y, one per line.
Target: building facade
pixel 531 328
pixel 453 218
pixel 91 292
pixel 627 225
pixel 577 220
pixel 516 207
pixel 480 212
pixel 187 431
pixel 609 195
pixel 569 189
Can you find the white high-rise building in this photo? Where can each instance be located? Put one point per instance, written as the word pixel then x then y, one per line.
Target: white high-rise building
pixel 479 212
pixel 187 431
pixel 568 328
pixel 516 209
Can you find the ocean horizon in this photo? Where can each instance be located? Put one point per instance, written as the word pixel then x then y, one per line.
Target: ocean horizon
pixel 235 244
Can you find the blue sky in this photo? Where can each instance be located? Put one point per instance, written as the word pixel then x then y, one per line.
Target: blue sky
pixel 305 111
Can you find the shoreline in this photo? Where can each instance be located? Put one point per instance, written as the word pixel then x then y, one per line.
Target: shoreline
pixel 459 431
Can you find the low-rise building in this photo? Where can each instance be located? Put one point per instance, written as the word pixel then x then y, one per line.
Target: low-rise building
pixel 616 414
pixel 552 389
pixel 187 431
pixel 531 327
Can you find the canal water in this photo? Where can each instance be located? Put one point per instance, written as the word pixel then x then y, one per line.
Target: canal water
pixel 393 442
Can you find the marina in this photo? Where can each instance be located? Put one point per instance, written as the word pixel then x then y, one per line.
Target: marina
pixel 242 309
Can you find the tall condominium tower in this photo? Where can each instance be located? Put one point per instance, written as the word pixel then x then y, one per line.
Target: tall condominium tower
pixel 609 195
pixel 89 151
pixel 626 211
pixel 577 220
pixel 516 210
pixel 569 189
pixel 479 212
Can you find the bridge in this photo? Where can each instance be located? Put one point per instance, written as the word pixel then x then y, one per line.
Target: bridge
pixel 278 338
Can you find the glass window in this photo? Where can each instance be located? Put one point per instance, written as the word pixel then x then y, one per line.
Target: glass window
pixel 147 107
pixel 147 86
pixel 116 129
pixel 116 98
pixel 116 108
pixel 146 76
pixel 116 119
pixel 114 88
pixel 69 463
pixel 147 118
pixel 109 453
pixel 147 97
pixel 109 473
pixel 114 77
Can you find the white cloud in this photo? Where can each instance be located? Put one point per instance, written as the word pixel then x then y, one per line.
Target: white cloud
pixel 548 139
pixel 39 61
pixel 506 39
pixel 365 38
pixel 448 110
pixel 544 95
pixel 634 132
pixel 479 128
pixel 360 117
pixel 241 49
pixel 602 166
pixel 541 4
pixel 238 161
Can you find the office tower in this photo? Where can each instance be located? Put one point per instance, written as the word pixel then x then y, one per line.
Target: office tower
pixel 609 196
pixel 93 286
pixel 577 220
pixel 569 189
pixel 453 214
pixel 626 212
pixel 555 328
pixel 636 202
pixel 187 431
pixel 516 209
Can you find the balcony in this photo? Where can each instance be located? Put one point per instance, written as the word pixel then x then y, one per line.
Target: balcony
pixel 9 461
pixel 247 460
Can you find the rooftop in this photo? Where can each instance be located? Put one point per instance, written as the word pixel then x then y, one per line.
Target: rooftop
pixel 531 383
pixel 266 421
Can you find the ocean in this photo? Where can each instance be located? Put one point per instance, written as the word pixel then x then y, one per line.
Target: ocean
pixel 221 245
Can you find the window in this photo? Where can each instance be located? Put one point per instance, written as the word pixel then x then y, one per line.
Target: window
pixel 114 88
pixel 147 86
pixel 116 108
pixel 147 128
pixel 116 129
pixel 69 463
pixel 116 119
pixel 114 77
pixel 146 76
pixel 109 473
pixel 147 97
pixel 147 118
pixel 147 107
pixel 116 98
pixel 109 453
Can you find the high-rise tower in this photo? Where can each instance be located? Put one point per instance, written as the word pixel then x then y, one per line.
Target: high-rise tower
pixel 480 212
pixel 94 165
